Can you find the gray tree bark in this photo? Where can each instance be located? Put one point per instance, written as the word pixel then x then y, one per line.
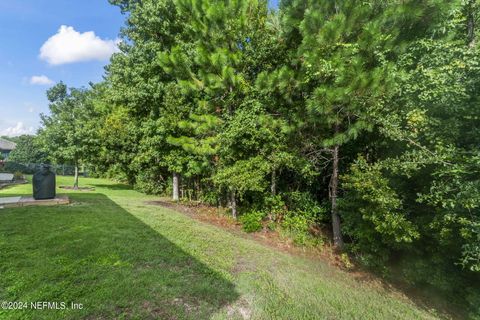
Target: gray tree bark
pixel 176 183
pixel 233 203
pixel 75 181
pixel 273 187
pixel 337 233
pixel 471 23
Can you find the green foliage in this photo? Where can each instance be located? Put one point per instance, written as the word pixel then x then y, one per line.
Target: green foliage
pixel 263 109
pixel 298 226
pixel 302 216
pixel 209 197
pixel 244 175
pixel 294 222
pixel 28 150
pixel 14 167
pixel 296 214
pixel 347 263
pixel 69 133
pixel 471 250
pixel 17 175
pixel 148 182
pixel 275 206
pixel 304 204
pixel 252 221
pixel 380 205
pixel 374 215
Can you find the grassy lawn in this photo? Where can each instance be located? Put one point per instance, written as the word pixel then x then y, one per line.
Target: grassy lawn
pixel 121 258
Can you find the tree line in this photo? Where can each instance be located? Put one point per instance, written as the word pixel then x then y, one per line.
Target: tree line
pixel 361 115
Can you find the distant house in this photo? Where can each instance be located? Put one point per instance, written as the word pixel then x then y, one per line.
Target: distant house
pixel 6 147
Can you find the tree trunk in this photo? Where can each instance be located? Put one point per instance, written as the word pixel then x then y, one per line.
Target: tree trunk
pixel 337 233
pixel 176 186
pixel 75 182
pixel 197 189
pixel 273 186
pixel 233 203
pixel 471 23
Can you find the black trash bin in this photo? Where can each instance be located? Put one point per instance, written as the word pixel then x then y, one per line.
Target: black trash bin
pixel 44 184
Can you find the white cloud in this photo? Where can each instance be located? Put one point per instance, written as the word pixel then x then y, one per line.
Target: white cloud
pixel 69 46
pixel 41 80
pixel 16 130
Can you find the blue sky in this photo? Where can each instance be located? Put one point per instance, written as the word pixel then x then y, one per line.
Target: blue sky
pixel 35 53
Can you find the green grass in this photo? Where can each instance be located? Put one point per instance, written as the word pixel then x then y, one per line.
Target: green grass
pixel 124 259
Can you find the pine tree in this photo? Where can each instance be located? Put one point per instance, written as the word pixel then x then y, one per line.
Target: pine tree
pixel 340 69
pixel 211 69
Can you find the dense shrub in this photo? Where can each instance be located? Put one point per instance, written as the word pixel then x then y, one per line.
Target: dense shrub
pixel 252 221
pixel 296 225
pixel 17 175
pixel 373 215
pixel 18 167
pixel 305 203
pixel 113 172
pixel 275 207
pixel 209 197
pixel 150 182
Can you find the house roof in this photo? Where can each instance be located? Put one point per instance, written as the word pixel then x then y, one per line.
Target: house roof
pixel 7 145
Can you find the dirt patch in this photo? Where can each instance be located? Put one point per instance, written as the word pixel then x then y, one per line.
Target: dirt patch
pixel 77 189
pixel 240 310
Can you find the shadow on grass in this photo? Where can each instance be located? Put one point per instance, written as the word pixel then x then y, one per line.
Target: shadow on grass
pixel 423 297
pixel 95 253
pixel 116 186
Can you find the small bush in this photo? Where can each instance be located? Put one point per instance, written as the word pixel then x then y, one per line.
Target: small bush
pixel 16 167
pixel 296 225
pixel 252 221
pixel 296 222
pixel 272 226
pixel 473 299
pixel 304 202
pixel 347 263
pixel 150 183
pixel 275 207
pixel 209 197
pixel 114 173
pixel 18 175
pixel 301 238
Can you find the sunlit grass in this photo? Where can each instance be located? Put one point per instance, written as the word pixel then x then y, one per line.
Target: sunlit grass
pixel 121 258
